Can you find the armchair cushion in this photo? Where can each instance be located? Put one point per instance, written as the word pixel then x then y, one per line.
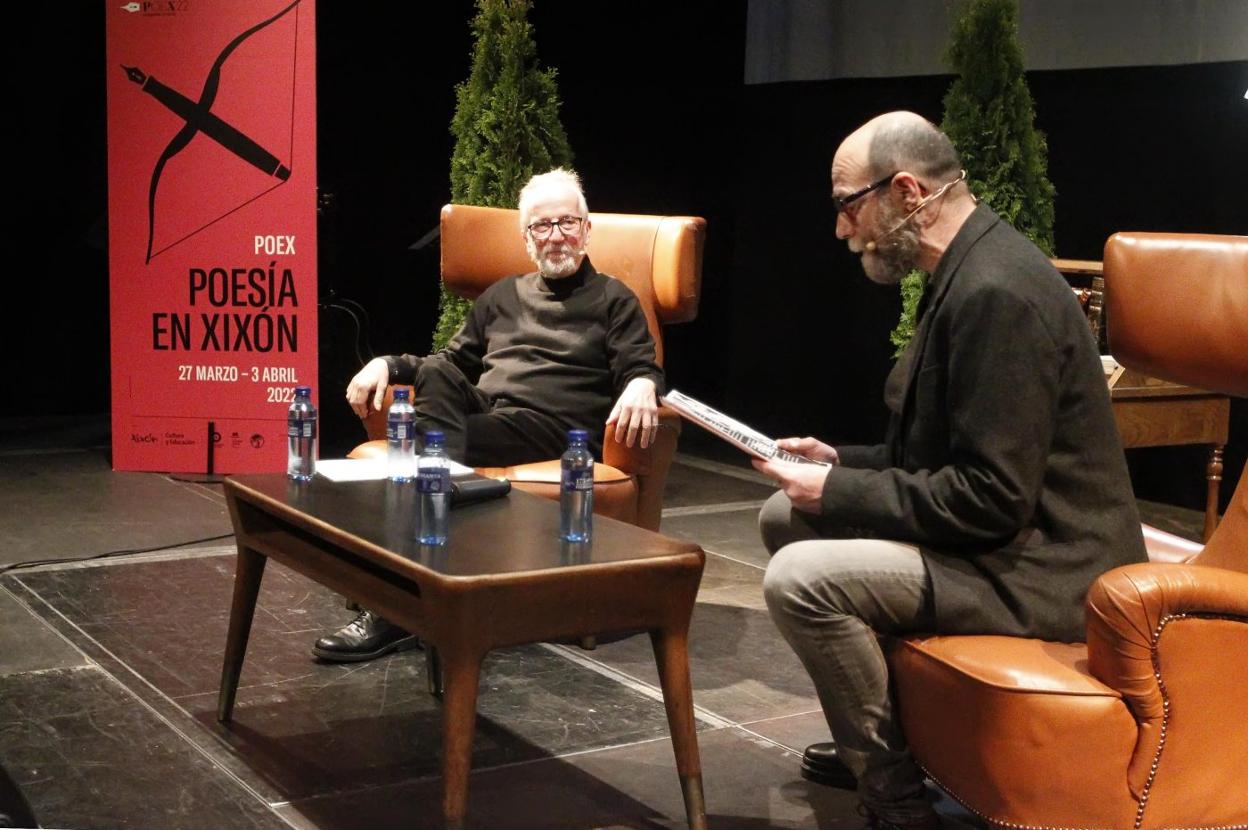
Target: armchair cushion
pixel 615 492
pixel 1003 723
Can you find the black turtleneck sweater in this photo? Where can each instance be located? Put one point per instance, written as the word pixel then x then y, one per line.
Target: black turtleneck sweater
pixel 563 347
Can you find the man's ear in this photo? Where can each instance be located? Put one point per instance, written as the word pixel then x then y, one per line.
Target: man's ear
pixel 908 189
pixel 588 227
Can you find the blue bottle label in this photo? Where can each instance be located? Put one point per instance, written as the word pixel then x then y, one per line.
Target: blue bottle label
pixel 574 480
pixel 433 481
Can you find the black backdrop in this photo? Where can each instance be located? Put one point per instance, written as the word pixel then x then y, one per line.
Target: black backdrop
pixel 790 334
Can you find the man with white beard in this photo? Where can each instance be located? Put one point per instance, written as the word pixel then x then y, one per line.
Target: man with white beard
pixel 539 354
pixel 1000 492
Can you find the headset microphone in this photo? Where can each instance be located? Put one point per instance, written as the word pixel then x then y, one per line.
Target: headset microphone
pixel 871 246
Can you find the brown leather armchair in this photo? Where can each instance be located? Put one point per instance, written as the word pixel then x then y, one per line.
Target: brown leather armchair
pixel 659 258
pixel 1144 725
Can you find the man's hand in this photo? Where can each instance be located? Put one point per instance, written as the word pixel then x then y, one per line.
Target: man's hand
pixel 802 483
pixel 811 448
pixel 368 383
pixel 636 413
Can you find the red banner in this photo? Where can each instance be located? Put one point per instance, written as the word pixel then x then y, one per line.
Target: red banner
pixel 212 229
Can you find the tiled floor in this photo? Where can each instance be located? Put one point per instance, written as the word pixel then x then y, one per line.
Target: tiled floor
pixel 109 669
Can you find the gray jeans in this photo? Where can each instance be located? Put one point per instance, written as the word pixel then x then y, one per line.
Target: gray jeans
pixel 831 594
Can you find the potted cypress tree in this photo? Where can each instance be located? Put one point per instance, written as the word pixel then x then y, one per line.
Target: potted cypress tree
pixel 990 118
pixel 506 125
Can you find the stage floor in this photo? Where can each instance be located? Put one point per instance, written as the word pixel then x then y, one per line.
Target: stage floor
pixel 109 670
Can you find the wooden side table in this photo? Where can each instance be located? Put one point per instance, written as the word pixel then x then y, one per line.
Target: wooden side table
pixel 1091 297
pixel 1156 413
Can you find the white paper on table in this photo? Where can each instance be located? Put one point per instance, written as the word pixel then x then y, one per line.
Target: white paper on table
pixel 367 469
pixel 1113 369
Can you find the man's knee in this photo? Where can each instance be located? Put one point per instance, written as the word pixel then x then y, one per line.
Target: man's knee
pixel 818 579
pixel 436 374
pixel 774 522
pixel 785 585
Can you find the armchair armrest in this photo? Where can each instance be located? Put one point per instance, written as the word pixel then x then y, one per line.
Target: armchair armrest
pixel 639 461
pixel 1129 609
pixel 649 465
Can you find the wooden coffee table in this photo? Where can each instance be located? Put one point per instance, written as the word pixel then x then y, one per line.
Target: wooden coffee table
pixel 503 579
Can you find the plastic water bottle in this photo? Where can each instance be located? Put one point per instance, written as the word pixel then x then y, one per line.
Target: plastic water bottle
pixel 301 436
pixel 576 492
pixel 401 438
pixel 433 489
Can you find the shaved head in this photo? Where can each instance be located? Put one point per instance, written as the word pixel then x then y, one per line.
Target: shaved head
pixel 919 164
pixel 906 141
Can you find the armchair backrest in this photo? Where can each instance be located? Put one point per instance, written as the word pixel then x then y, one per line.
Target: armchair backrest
pixel 1177 306
pixel 658 257
pixel 1177 309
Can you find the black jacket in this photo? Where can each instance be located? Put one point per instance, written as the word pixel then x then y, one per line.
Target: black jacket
pixel 1002 460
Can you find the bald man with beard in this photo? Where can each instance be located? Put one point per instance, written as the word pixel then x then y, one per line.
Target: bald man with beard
pixel 1000 491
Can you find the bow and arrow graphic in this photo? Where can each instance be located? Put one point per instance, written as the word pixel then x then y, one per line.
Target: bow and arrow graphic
pixel 199 118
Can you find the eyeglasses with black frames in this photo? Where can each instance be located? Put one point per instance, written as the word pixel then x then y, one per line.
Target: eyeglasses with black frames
pixel 842 202
pixel 543 228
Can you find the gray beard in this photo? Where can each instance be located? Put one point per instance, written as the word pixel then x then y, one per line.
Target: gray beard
pixel 896 253
pixel 566 267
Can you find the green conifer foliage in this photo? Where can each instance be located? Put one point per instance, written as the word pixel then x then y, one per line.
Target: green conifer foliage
pixel 990 117
pixel 506 125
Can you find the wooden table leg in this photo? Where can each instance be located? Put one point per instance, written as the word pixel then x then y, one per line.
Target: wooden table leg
pixel 247 573
pixel 1213 472
pixel 461 674
pixel 671 654
pixel 433 670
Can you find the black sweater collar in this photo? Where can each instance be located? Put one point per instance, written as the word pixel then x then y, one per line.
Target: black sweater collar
pixel 563 286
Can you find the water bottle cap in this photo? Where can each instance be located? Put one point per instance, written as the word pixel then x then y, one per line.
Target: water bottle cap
pixel 401 394
pixel 303 391
pixel 434 437
pixel 578 435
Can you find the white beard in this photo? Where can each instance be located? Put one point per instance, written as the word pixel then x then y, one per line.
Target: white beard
pixel 556 261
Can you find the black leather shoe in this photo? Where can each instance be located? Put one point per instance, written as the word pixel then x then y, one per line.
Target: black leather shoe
pixel 367 637
pixel 821 764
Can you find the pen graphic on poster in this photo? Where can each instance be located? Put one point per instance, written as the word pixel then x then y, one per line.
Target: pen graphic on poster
pixel 200 119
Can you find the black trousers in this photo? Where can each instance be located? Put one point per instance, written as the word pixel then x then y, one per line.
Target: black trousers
pixel 477 433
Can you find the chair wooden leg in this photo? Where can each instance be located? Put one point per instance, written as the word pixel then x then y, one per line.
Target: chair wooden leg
pixel 1213 474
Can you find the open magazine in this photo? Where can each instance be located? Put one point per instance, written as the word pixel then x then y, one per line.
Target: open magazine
pixel 731 430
